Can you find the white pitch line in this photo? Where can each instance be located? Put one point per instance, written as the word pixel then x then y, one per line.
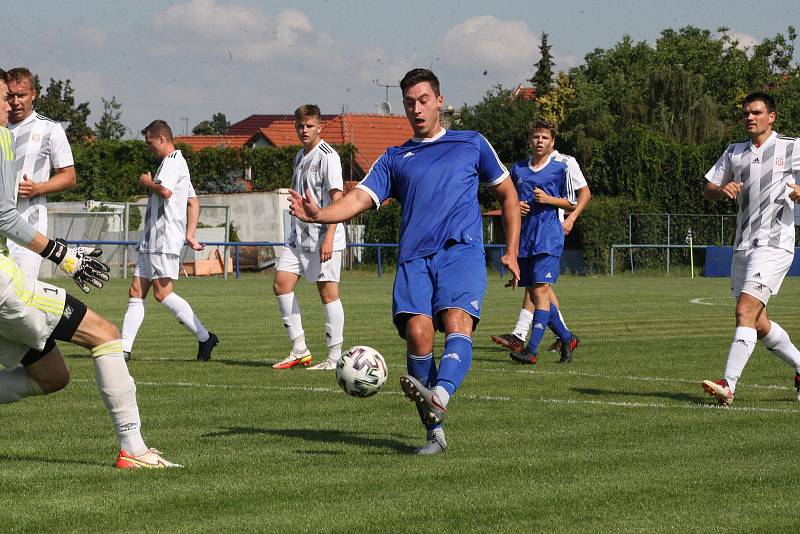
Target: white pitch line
pixel 700 301
pixel 484 398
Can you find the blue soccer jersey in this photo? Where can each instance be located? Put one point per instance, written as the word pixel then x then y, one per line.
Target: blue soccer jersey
pixel 436 182
pixel 541 231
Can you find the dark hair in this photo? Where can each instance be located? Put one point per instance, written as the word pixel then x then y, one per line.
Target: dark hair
pixel 307 111
pixel 760 97
pixel 156 128
pixel 544 125
pixel 19 74
pixel 415 76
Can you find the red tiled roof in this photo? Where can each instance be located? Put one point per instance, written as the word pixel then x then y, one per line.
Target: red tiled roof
pixel 523 93
pixel 372 134
pixel 199 142
pixel 250 125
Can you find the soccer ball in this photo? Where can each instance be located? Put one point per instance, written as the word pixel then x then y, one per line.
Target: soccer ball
pixel 361 371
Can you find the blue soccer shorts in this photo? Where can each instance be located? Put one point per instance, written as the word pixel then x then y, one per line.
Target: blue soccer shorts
pixel 454 277
pixel 538 269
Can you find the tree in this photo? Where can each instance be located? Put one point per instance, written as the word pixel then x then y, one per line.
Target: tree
pixel 218 125
pixel 58 103
pixel 110 125
pixel 543 79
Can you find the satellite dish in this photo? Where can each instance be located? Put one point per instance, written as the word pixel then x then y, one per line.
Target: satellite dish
pixel 385 108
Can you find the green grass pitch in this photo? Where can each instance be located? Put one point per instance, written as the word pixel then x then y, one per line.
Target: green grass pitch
pixel 621 440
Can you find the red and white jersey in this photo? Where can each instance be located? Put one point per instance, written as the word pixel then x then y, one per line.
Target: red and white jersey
pixel 320 171
pixel 165 218
pixel 40 145
pixel 766 214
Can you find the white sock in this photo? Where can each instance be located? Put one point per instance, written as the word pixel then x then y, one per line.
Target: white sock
pixel 131 323
pixel 744 341
pixel 16 384
pixel 777 340
pixel 437 432
pixel 183 312
pixel 118 391
pixel 523 324
pixel 335 352
pixel 290 313
pixel 334 328
pixel 444 396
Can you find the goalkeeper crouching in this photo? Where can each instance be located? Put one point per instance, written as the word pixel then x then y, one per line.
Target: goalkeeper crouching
pixel 34 314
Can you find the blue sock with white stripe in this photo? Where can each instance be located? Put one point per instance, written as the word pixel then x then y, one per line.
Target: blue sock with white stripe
pixel 557 325
pixel 540 320
pixel 423 368
pixel 456 361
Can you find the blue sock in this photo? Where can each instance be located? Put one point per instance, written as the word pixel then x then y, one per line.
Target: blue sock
pixel 456 361
pixel 423 368
pixel 558 326
pixel 540 320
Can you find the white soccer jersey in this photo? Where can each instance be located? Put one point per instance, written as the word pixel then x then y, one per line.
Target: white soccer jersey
pixel 40 145
pixel 766 215
pixel 165 218
pixel 320 171
pixel 575 177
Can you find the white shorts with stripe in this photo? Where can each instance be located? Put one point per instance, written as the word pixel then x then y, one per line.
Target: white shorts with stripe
pixel 766 266
pixel 302 263
pixel 153 265
pixel 29 312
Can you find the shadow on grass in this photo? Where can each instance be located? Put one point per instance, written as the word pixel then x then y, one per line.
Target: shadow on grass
pixel 323 436
pixel 50 460
pixel 673 395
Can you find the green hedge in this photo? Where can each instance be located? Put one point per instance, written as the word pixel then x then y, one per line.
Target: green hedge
pixel 109 170
pixel 382 226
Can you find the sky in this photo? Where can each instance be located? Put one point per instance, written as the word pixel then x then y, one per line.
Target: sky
pixel 184 60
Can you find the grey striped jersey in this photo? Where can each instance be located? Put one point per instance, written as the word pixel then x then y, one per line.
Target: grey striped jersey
pixel 320 171
pixel 766 214
pixel 165 218
pixel 40 145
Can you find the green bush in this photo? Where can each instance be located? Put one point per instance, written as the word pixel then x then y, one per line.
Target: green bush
pixel 382 226
pixel 605 223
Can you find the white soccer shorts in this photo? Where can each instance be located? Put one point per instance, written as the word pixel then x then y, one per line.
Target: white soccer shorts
pixel 302 263
pixel 761 265
pixel 29 261
pixel 29 312
pixel 153 265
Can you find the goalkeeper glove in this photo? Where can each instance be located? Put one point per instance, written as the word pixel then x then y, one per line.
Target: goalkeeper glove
pixel 80 263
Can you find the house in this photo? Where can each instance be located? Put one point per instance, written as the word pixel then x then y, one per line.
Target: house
pixel 370 133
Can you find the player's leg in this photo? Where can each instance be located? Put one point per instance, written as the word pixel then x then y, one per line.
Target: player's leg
pixel 566 341
pixel 288 271
pixel 328 274
pixel 38 373
pixel 116 387
pixel 182 310
pixel 134 315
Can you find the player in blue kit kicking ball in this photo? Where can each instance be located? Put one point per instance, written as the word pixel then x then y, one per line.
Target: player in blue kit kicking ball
pixel 543 182
pixel 441 271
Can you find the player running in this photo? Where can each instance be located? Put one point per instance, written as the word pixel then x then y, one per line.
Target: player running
pixel 171 216
pixel 564 344
pixel 40 143
pixel 761 175
pixel 441 271
pixel 33 315
pixel 313 250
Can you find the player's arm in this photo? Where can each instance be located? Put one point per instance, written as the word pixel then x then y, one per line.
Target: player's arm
pixel 192 217
pixel 147 181
pixel 62 180
pixel 719 180
pixel 584 196
pixel 543 198
pixel 506 194
pixel 326 247
pixel 354 202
